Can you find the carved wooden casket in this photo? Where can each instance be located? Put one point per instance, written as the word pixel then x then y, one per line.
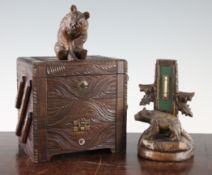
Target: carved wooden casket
pixel 73 106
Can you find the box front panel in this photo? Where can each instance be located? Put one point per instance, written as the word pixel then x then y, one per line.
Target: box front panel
pixel 81 113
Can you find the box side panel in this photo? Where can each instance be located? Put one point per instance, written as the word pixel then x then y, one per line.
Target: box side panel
pixel 121 106
pixel 24 69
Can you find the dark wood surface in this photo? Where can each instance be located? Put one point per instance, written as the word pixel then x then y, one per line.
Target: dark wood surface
pixel 14 161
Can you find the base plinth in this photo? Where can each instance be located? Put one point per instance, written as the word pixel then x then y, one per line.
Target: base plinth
pixel 165 150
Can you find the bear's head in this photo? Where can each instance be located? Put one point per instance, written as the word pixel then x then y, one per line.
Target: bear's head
pixel 77 22
pixel 144 115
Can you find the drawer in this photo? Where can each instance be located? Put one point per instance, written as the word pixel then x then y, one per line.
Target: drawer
pixel 81 87
pixel 100 135
pixel 62 115
pixel 81 125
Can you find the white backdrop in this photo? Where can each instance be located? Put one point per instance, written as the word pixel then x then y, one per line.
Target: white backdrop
pixel 140 31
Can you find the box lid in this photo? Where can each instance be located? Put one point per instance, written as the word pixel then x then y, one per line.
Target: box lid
pixel 51 67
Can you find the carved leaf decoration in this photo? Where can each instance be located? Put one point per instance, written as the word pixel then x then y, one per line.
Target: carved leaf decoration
pixel 147 99
pixel 184 96
pixel 182 99
pixel 185 109
pixel 149 93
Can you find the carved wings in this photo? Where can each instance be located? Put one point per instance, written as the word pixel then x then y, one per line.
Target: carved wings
pixel 181 98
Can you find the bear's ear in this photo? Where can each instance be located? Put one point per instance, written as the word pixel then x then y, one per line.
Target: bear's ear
pixel 73 8
pixel 86 15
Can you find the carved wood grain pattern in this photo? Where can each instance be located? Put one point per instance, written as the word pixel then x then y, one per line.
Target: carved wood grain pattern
pixel 80 68
pixel 62 116
pixel 68 87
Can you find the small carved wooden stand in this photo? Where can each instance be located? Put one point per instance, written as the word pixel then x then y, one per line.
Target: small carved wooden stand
pixel 165 140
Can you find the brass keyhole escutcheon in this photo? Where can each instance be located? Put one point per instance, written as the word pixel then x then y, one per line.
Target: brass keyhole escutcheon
pixel 81 125
pixel 83 84
pixel 81 141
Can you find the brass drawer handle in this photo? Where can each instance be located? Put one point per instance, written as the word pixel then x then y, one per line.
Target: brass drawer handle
pixel 81 141
pixel 83 84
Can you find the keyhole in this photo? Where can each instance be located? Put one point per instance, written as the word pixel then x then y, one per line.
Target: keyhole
pixel 81 141
pixel 83 84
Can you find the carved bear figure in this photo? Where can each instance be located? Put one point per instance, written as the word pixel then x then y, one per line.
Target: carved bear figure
pixel 160 121
pixel 72 34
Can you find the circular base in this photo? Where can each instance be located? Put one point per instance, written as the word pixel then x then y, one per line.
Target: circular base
pixel 161 150
pixel 164 156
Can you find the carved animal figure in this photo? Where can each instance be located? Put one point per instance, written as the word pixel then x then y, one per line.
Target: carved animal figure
pixel 160 121
pixel 72 35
